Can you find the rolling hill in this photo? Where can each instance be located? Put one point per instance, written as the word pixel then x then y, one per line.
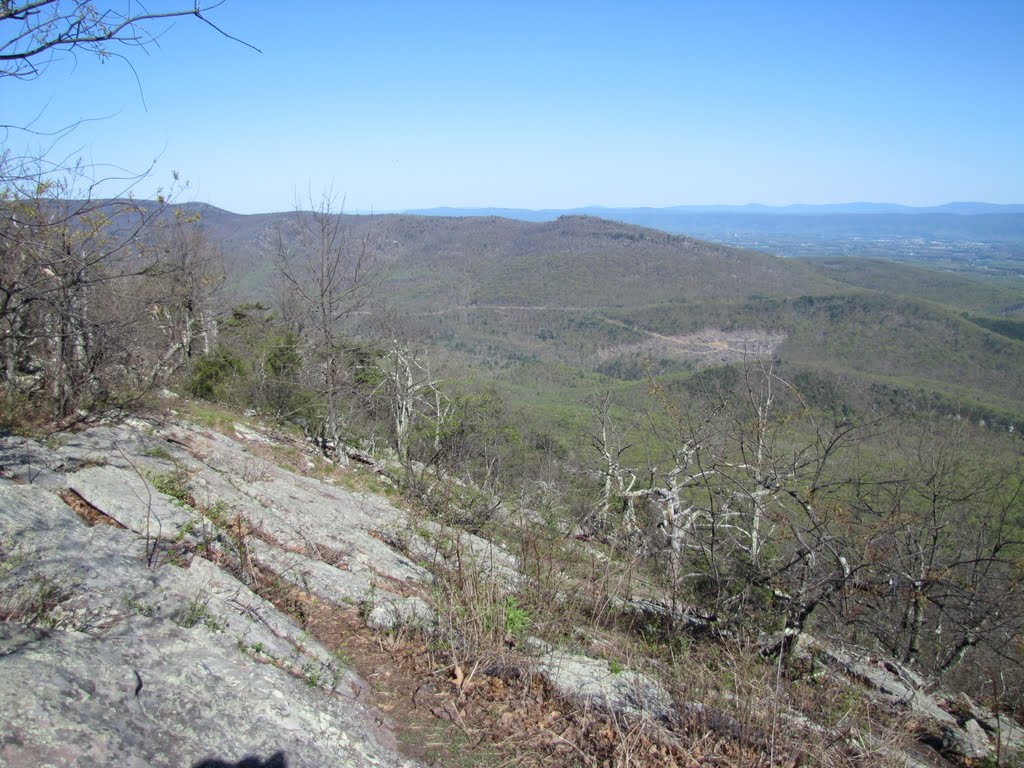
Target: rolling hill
pixel 620 300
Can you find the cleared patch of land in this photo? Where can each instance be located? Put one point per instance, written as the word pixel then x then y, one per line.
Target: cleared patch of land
pixel 710 346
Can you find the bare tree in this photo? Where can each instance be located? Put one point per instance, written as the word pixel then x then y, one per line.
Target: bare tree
pixel 473 433
pixel 98 301
pixel 618 481
pixel 750 499
pixel 902 533
pixel 412 394
pixel 946 551
pixel 329 274
pixel 178 292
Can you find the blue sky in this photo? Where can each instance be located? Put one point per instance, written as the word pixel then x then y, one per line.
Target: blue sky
pixel 556 104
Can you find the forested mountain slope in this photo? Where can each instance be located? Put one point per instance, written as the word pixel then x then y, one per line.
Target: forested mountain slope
pixel 621 300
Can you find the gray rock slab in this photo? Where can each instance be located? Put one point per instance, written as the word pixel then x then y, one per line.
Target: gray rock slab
pixel 132 665
pixel 299 512
pixel 1009 735
pixel 591 682
pixel 29 462
pixel 383 609
pixel 48 549
pixel 879 677
pixel 128 497
pixel 30 509
pixel 119 445
pixel 199 626
pixel 432 542
pixel 973 738
pixel 389 612
pixel 679 617
pixel 154 694
pixel 337 586
pixel 317 519
pixel 102 578
pixel 970 741
pixel 257 627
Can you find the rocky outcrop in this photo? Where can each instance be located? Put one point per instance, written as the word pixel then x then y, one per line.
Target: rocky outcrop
pixel 951 725
pixel 129 644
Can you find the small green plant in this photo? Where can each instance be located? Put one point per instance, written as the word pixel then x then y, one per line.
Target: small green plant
pixel 175 558
pixel 173 484
pixel 345 661
pixel 615 667
pixel 992 761
pixel 342 662
pixel 847 701
pixel 134 603
pixel 56 440
pixel 258 651
pixel 186 530
pixel 218 513
pixel 516 618
pixel 197 611
pixel 313 674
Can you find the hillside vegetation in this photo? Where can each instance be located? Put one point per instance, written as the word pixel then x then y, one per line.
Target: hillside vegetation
pixel 623 300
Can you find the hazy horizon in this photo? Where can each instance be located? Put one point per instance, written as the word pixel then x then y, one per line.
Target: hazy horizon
pixel 695 207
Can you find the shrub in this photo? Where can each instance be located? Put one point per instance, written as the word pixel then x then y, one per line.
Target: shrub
pixel 214 372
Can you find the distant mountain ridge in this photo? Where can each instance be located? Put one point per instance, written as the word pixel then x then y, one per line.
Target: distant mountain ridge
pixel 799 209
pixel 961 236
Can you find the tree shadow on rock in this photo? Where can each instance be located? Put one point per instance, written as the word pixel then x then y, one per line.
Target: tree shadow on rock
pixel 276 760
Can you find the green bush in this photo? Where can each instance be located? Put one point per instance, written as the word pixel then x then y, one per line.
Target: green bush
pixel 213 373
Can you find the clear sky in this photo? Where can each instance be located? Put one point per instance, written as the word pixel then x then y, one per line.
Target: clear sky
pixel 557 104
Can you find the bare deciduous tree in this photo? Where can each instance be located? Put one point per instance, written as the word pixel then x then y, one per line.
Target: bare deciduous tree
pixel 748 498
pixel 329 274
pixel 97 300
pixel 775 514
pixel 177 294
pixel 618 481
pixel 946 555
pixel 411 394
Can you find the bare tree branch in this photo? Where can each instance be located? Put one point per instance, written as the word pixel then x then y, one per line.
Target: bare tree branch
pixel 32 34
